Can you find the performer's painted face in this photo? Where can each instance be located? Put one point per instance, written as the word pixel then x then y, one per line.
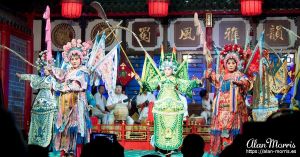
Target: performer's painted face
pixel 168 71
pixel 231 65
pixel 75 61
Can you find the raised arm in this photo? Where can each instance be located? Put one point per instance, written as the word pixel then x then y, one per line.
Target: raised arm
pixel 27 77
pixel 150 85
pixel 35 80
pixel 244 84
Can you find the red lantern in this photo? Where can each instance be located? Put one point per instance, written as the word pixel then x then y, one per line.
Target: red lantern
pixel 251 7
pixel 71 8
pixel 158 8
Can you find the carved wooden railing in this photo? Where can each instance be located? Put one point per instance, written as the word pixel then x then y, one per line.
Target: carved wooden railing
pixel 137 137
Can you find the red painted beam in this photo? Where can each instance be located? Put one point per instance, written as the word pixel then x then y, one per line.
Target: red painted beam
pixel 185 13
pixel 177 13
pixel 282 12
pixel 209 39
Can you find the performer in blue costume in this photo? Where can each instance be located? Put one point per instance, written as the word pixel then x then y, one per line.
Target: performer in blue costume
pixel 44 108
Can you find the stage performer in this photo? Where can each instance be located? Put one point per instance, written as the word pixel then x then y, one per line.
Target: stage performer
pixel 44 107
pixel 168 110
pixel 273 80
pixel 229 108
pixel 73 123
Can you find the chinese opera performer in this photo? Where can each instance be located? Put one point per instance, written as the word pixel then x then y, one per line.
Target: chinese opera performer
pixel 168 110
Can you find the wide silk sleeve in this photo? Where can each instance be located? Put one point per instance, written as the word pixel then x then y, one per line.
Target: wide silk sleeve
pixel 186 86
pixel 247 84
pixel 27 77
pixel 152 84
pixel 35 80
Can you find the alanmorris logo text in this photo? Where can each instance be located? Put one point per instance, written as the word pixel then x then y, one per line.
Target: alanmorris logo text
pixel 269 143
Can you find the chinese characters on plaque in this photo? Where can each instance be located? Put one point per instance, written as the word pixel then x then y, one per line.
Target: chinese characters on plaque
pixel 144 34
pixel 275 32
pixel 231 34
pixel 229 31
pixel 185 34
pixel 275 35
pixel 147 32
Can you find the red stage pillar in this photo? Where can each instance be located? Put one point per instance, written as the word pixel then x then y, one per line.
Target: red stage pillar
pixel 29 70
pixel 209 37
pixel 28 89
pixel 4 62
pixel 208 31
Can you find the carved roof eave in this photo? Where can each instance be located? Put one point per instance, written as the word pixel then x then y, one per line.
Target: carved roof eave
pixel 14 22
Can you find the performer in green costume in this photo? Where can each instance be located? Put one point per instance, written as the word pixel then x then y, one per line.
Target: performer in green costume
pixel 168 109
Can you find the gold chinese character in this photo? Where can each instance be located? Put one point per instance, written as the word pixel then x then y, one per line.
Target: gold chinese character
pixel 145 34
pixel 275 32
pixel 186 33
pixel 231 33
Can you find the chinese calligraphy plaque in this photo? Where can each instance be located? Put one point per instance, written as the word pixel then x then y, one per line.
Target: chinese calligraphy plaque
pixel 231 30
pixel 185 34
pixel 275 35
pixel 147 32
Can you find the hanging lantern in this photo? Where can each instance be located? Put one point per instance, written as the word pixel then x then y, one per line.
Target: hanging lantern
pixel 71 8
pixel 251 7
pixel 158 8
